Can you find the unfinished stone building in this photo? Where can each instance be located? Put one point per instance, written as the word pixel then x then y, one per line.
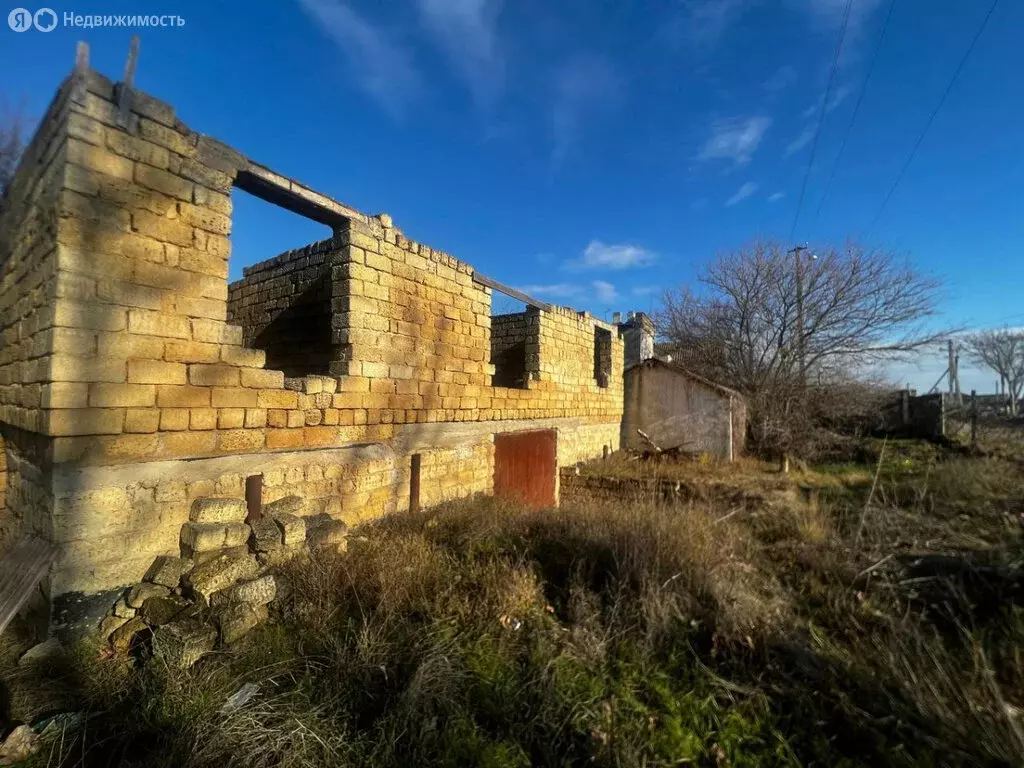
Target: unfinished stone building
pixel 134 379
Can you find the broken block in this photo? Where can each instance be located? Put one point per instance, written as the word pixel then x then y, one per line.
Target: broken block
pixel 236 535
pixel 289 505
pixel 235 622
pixel 266 535
pixel 122 637
pixel 221 572
pixel 182 643
pixel 293 529
pixel 324 531
pixel 161 610
pixel 138 594
pixel 218 511
pixel 167 570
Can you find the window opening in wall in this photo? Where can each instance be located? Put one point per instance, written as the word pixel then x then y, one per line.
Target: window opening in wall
pixel 602 356
pixel 513 339
pixel 282 299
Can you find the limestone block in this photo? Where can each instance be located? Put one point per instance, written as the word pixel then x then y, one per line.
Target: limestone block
pixel 218 511
pixel 138 594
pixel 182 643
pixel 110 624
pixel 324 531
pixel 122 610
pixel 288 505
pixel 191 352
pixel 203 537
pixel 293 529
pixel 242 357
pixel 266 535
pixel 157 611
pixel 237 621
pixel 221 572
pixel 83 421
pixel 236 535
pixel 167 570
pixel 256 592
pixel 233 440
pixel 203 418
pixel 255 418
pixel 121 395
pixel 174 419
pixel 256 378
pixel 230 397
pixel 122 637
pixel 65 394
pixel 156 372
pixel 213 375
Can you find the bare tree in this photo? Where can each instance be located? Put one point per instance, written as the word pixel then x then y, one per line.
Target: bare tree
pixel 769 321
pixel 1002 350
pixel 11 146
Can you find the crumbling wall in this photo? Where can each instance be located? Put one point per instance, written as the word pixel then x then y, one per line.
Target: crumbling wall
pixel 148 397
pixel 284 308
pixel 515 348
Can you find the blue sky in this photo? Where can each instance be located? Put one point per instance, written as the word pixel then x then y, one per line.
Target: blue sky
pixel 597 152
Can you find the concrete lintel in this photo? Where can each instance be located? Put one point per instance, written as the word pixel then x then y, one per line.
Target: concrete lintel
pixel 289 194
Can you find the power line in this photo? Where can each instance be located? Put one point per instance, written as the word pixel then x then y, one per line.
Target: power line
pixel 856 109
pixel 931 118
pixel 821 116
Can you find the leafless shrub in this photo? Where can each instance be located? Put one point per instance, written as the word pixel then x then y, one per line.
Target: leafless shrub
pixel 775 326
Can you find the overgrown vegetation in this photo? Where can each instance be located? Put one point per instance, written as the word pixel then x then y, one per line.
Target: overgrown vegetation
pixel 853 631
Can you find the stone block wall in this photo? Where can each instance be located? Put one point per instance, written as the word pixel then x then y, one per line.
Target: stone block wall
pixel 284 308
pixel 125 393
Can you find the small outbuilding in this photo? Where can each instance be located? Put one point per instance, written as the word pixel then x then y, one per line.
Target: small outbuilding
pixel 677 409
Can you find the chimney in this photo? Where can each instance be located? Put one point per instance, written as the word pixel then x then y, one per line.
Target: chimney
pixel 638 338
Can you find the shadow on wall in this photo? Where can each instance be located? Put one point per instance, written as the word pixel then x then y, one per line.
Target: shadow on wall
pixel 298 339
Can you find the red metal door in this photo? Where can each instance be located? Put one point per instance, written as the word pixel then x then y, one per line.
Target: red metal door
pixel 526 466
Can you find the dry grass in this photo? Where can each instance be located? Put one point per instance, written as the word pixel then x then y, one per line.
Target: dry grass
pixel 627 633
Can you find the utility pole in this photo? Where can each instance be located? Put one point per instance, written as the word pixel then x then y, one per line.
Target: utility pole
pixel 801 349
pixel 952 367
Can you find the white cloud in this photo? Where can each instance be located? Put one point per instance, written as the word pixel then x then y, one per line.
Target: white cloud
pixel 705 21
pixel 783 78
pixel 466 31
pixel 801 141
pixel 646 290
pixel 735 139
pixel 383 69
pixel 604 292
pixel 776 196
pixel 598 255
pixel 585 87
pixel 745 191
pixel 553 290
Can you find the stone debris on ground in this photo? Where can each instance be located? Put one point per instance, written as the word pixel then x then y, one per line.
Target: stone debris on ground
pixel 43 653
pixel 140 593
pixel 222 585
pixel 19 745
